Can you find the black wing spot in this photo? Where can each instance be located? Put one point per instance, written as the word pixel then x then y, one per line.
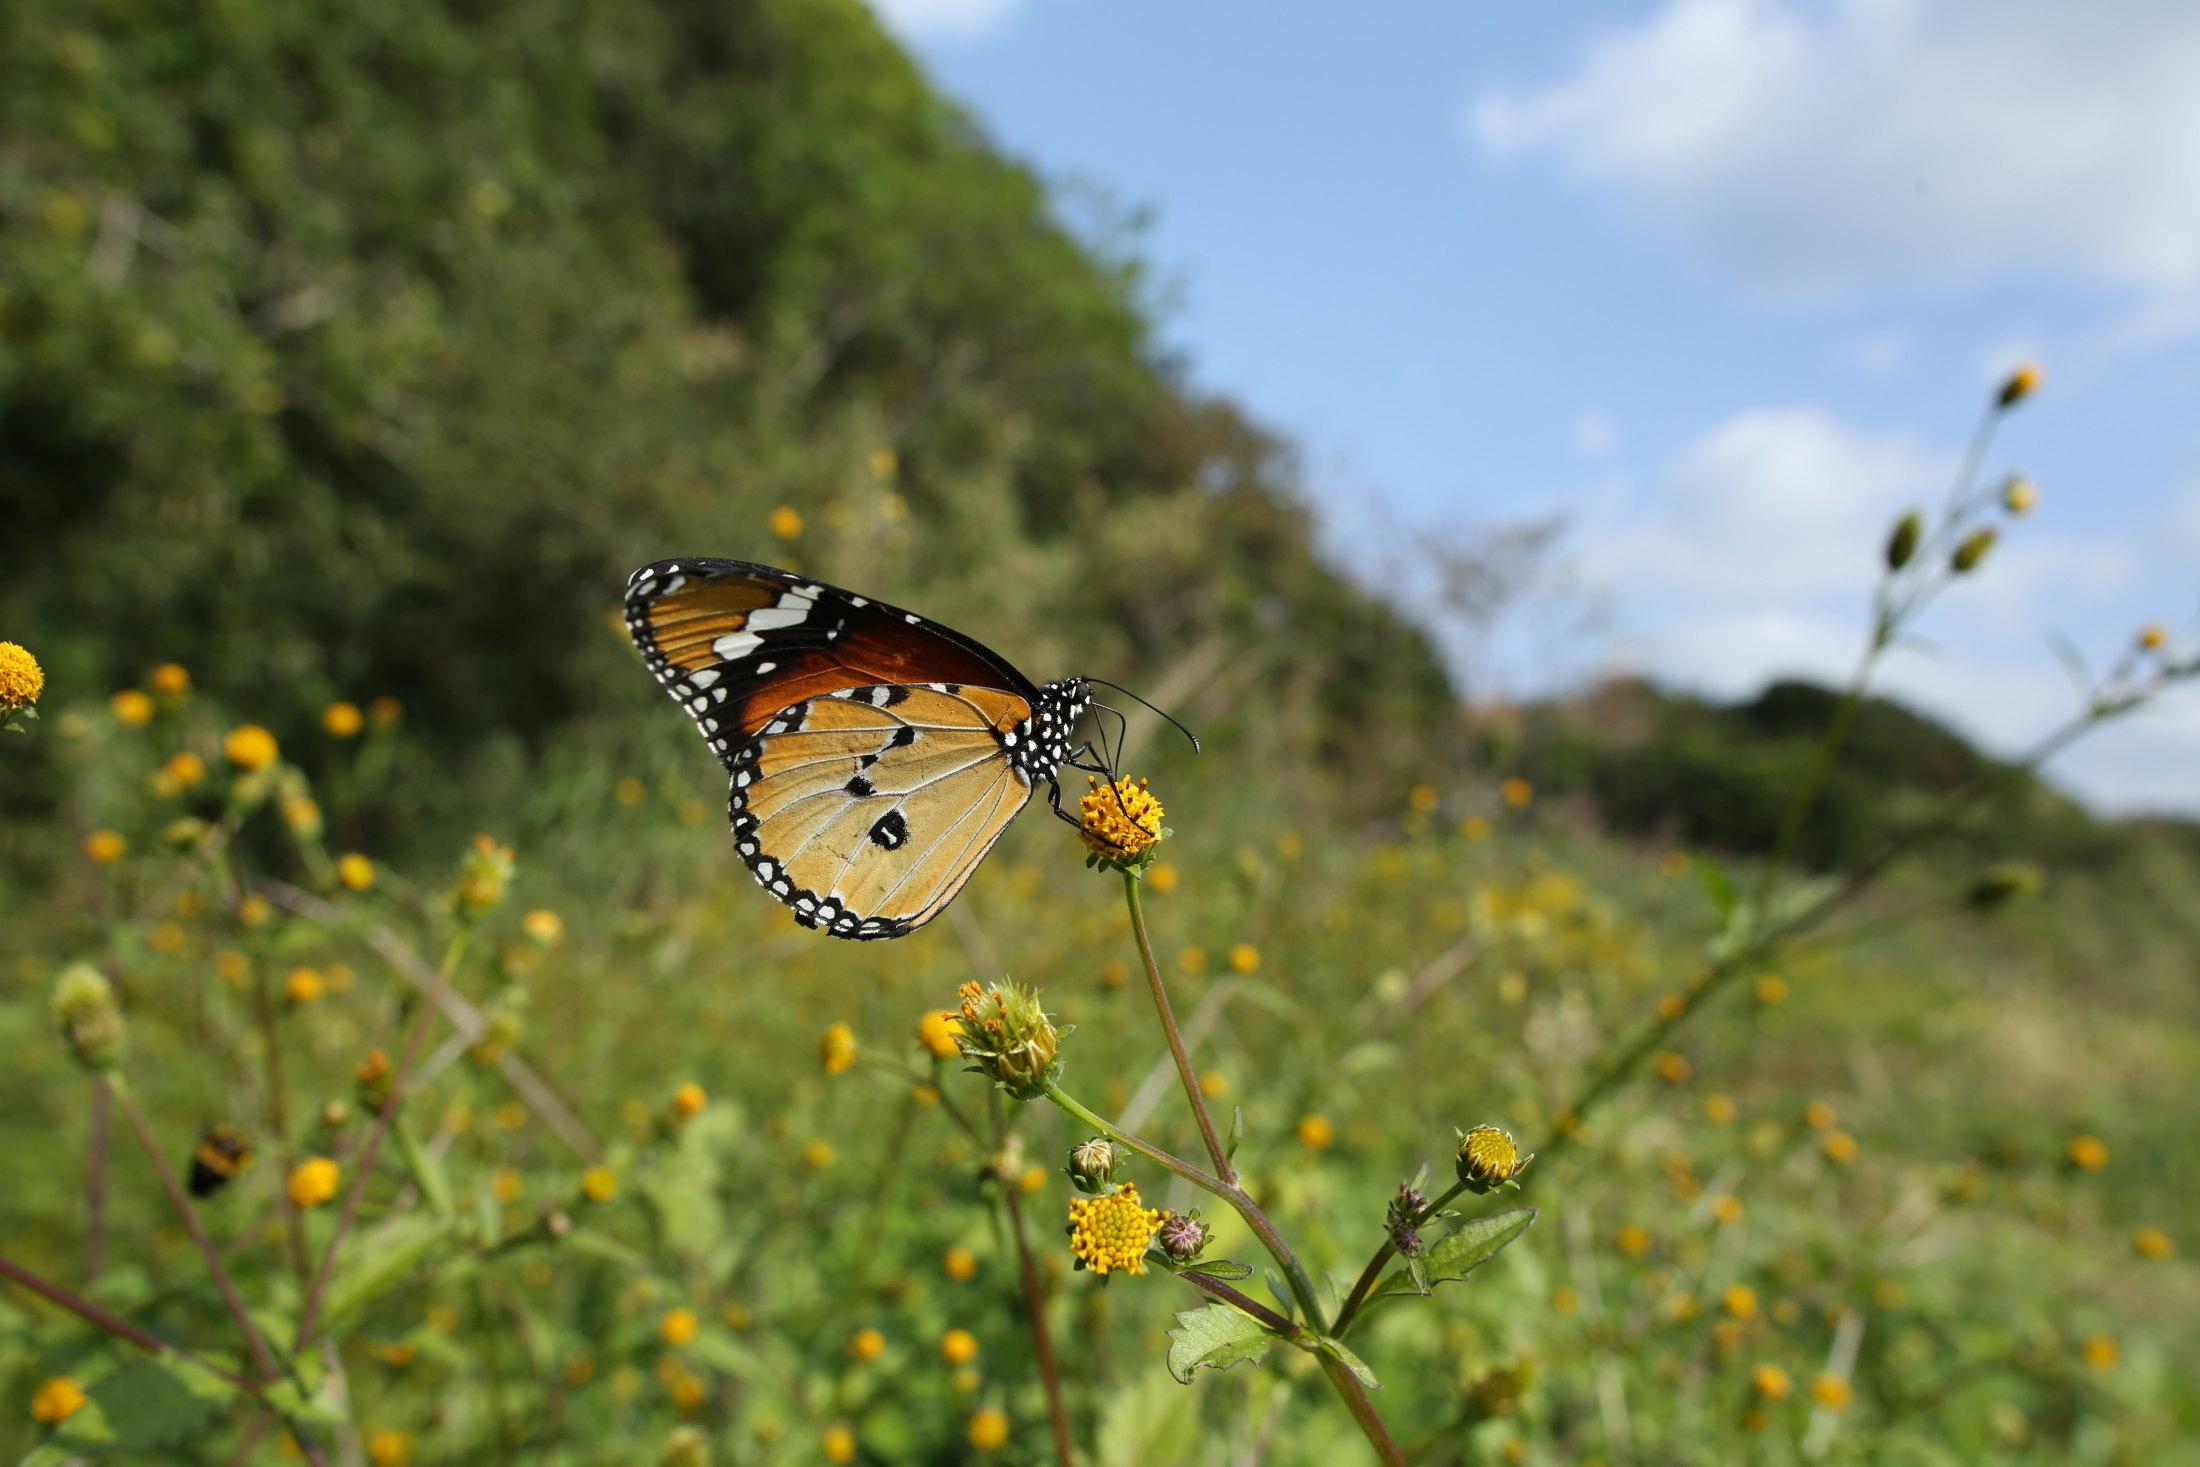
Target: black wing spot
pixel 903 737
pixel 896 693
pixel 890 832
pixel 858 786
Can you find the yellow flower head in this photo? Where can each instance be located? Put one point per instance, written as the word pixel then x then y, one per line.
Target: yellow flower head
pixel 961 1264
pixel 818 1154
pixel 1244 958
pixel 1839 1146
pixel 688 1101
pixel 936 1032
pixel 867 1344
pixel 838 1444
pixel 1121 821
pixel 1718 1109
pixel 172 679
pixel 483 873
pixel 2153 1243
pixel 131 708
pixel 1820 1115
pixel 1771 988
pixel 355 871
pixel 302 815
pixel 2088 1153
pixel 677 1327
pixel 1634 1240
pixel 988 1429
pixel 1673 1068
pixel 1004 1033
pixel 2153 637
pixel 1728 1209
pixel 342 720
pixel 373 1079
pixel 837 1050
pixel 958 1347
pixel 249 746
pixel 105 847
pixel 1770 1381
pixel 388 1448
pixel 599 1184
pixel 182 770
pixel 1489 1158
pixel 21 681
pixel 2019 385
pixel 313 1181
pixel 57 1400
pixel 1315 1132
pixel 1740 1300
pixel 1516 792
pixel 1423 798
pixel 2019 496
pixel 1112 1232
pixel 2101 1353
pixel 304 985
pixel 786 522
pixel 1832 1392
pixel 543 927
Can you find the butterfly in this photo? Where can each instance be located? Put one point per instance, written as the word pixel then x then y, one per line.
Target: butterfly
pixel 874 756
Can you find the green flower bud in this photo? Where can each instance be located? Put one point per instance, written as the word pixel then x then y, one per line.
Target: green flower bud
pixel 686 1446
pixel 1902 544
pixel 1489 1159
pixel 91 1020
pixel 1009 1038
pixel 1972 550
pixel 1092 1165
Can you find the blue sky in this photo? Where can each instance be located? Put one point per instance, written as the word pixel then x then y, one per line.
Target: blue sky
pixel 1724 282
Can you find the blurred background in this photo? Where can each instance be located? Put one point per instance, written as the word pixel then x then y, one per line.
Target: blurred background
pixel 1411 403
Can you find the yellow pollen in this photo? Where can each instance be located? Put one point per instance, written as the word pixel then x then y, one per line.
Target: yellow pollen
pixel 1121 820
pixel 21 678
pixel 1113 1231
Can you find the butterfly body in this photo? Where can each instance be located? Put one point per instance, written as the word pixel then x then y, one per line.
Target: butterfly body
pixel 873 757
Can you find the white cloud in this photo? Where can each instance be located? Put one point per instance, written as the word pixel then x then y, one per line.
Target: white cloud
pixel 962 20
pixel 1867 143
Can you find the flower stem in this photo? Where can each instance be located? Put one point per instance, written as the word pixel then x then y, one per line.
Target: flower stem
pixel 1184 1073
pixel 1035 1307
pixel 1374 1270
pixel 95 1182
pixel 99 1318
pixel 1362 1409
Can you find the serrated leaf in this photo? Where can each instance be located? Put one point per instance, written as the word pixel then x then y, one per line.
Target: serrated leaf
pixel 377 1262
pixel 1216 1338
pixel 147 1403
pixel 1452 1258
pixel 1350 1361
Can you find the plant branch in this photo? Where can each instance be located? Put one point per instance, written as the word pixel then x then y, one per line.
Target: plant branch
pixel 1362 1409
pixel 1035 1308
pixel 1373 1273
pixel 121 1329
pixel 1184 1073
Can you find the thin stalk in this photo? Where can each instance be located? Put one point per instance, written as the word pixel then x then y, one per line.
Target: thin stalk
pixel 364 1168
pixel 278 1115
pixel 1374 1270
pixel 1035 1307
pixel 1192 1091
pixel 1146 1149
pixel 1362 1409
pixel 95 1182
pixel 121 1329
pixel 1209 1284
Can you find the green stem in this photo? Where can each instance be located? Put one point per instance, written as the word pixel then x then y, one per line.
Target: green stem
pixel 1035 1308
pixel 1362 1409
pixel 1374 1270
pixel 1146 1149
pixel 1184 1073
pixel 121 1329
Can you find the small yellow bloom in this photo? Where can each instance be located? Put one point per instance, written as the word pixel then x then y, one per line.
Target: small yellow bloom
pixel 1119 821
pixel 1162 877
pixel 254 911
pixel 398 1353
pixel 183 770
pixel 355 871
pixel 1739 1300
pixel 988 1429
pixel 1887 1294
pixel 1213 1084
pixel 1672 1005
pixel 105 847
pixel 1770 1381
pixel 171 678
pixel 21 681
pixel 936 1032
pixel 1422 798
pixel 131 708
pixel 1564 1300
pixel 599 1184
pixel 387 1448
pixel 249 746
pixel 1820 1115
pixel 837 1050
pixel 2101 1353
pixel 1290 845
pixel 867 1344
pixel 313 1181
pixel 1771 988
pixel 1839 1146
pixel 925 1094
pixel 1244 958
pixel 958 1347
pixel 2153 1243
pixel 505 1185
pixel 883 461
pixel 786 522
pixel 2153 637
pixel 343 720
pixel 301 814
pixel 1475 827
pixel 839 1443
pixel 819 1154
pixel 165 937
pixel 2019 496
pixel 1633 1240
pixel 1678 1307
pixel 2019 385
pixel 688 1101
pixel 1192 958
pixel 677 1327
pixel 961 1264
pixel 1832 1392
pixel 1728 1208
pixel 510 1116
pixel 1718 1110
pixel 1673 1068
pixel 1489 1158
pixel 57 1400
pixel 1315 1132
pixel 2089 1153
pixel 1516 792
pixel 543 927
pixel 1112 1232
pixel 1034 1179
pixel 303 986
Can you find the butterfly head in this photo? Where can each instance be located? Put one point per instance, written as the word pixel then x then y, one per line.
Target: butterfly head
pixel 1044 743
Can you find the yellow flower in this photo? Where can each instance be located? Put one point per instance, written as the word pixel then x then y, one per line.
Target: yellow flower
pixel 313 1181
pixel 254 910
pixel 2087 1152
pixel 483 873
pixel 839 1444
pixel 21 681
pixel 249 746
pixel 688 1101
pixel 1422 797
pixel 1192 958
pixel 1832 1392
pixel 105 847
pixel 1564 1300
pixel 1112 1232
pixel 1770 1381
pixel 1634 1240
pixel 166 937
pixel 883 461
pixel 183 770
pixel 1489 1158
pixel 1516 792
pixel 2153 1243
pixel 1119 821
pixel 301 814
pixel 1771 988
pixel 1162 877
pixel 303 985
pixel 629 790
pixel 1820 1115
pixel 1718 1110
pixel 961 1264
pixel 171 678
pixel 1315 1132
pixel 1244 958
pixel 1739 1300
pixel 2153 637
pixel 543 927
pixel 387 1448
pixel 786 522
pixel 677 1327
pixel 505 1185
pixel 57 1400
pixel 936 1032
pixel 132 708
pixel 1034 1179
pixel 1673 1068
pixel 1727 1209
pixel 599 1184
pixel 837 1050
pixel 1672 1005
pixel 1475 827
pixel 1839 1146
pixel 988 1429
pixel 342 720
pixel 2101 1353
pixel 819 1154
pixel 958 1347
pixel 1213 1084
pixel 355 871
pixel 2021 383
pixel 399 1353
pixel 867 1344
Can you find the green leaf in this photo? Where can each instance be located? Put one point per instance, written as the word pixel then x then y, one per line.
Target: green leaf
pixel 1282 1292
pixel 428 1171
pixel 1237 1133
pixel 148 1403
pixel 1216 1338
pixel 1717 885
pixel 1454 1257
pixel 325 1407
pixel 1227 1269
pixel 378 1261
pixel 1351 1362
pixel 589 1241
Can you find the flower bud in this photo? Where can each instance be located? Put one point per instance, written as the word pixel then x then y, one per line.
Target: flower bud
pixel 1902 544
pixel 373 1077
pixel 1489 1159
pixel 1183 1236
pixel 482 877
pixel 686 1446
pixel 1403 1219
pixel 2018 495
pixel 84 1006
pixel 1009 1038
pixel 2020 385
pixel 1092 1165
pixel 1972 550
pixel 2001 884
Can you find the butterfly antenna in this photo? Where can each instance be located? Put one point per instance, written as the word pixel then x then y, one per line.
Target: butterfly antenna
pixel 1126 692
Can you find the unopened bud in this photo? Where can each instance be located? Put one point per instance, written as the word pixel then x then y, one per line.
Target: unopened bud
pixel 482 877
pixel 1972 550
pixel 1489 1158
pixel 686 1446
pixel 1092 1165
pixel 1182 1236
pixel 1902 544
pixel 2019 496
pixel 373 1077
pixel 1404 1217
pixel 2020 385
pixel 1009 1039
pixel 85 1007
